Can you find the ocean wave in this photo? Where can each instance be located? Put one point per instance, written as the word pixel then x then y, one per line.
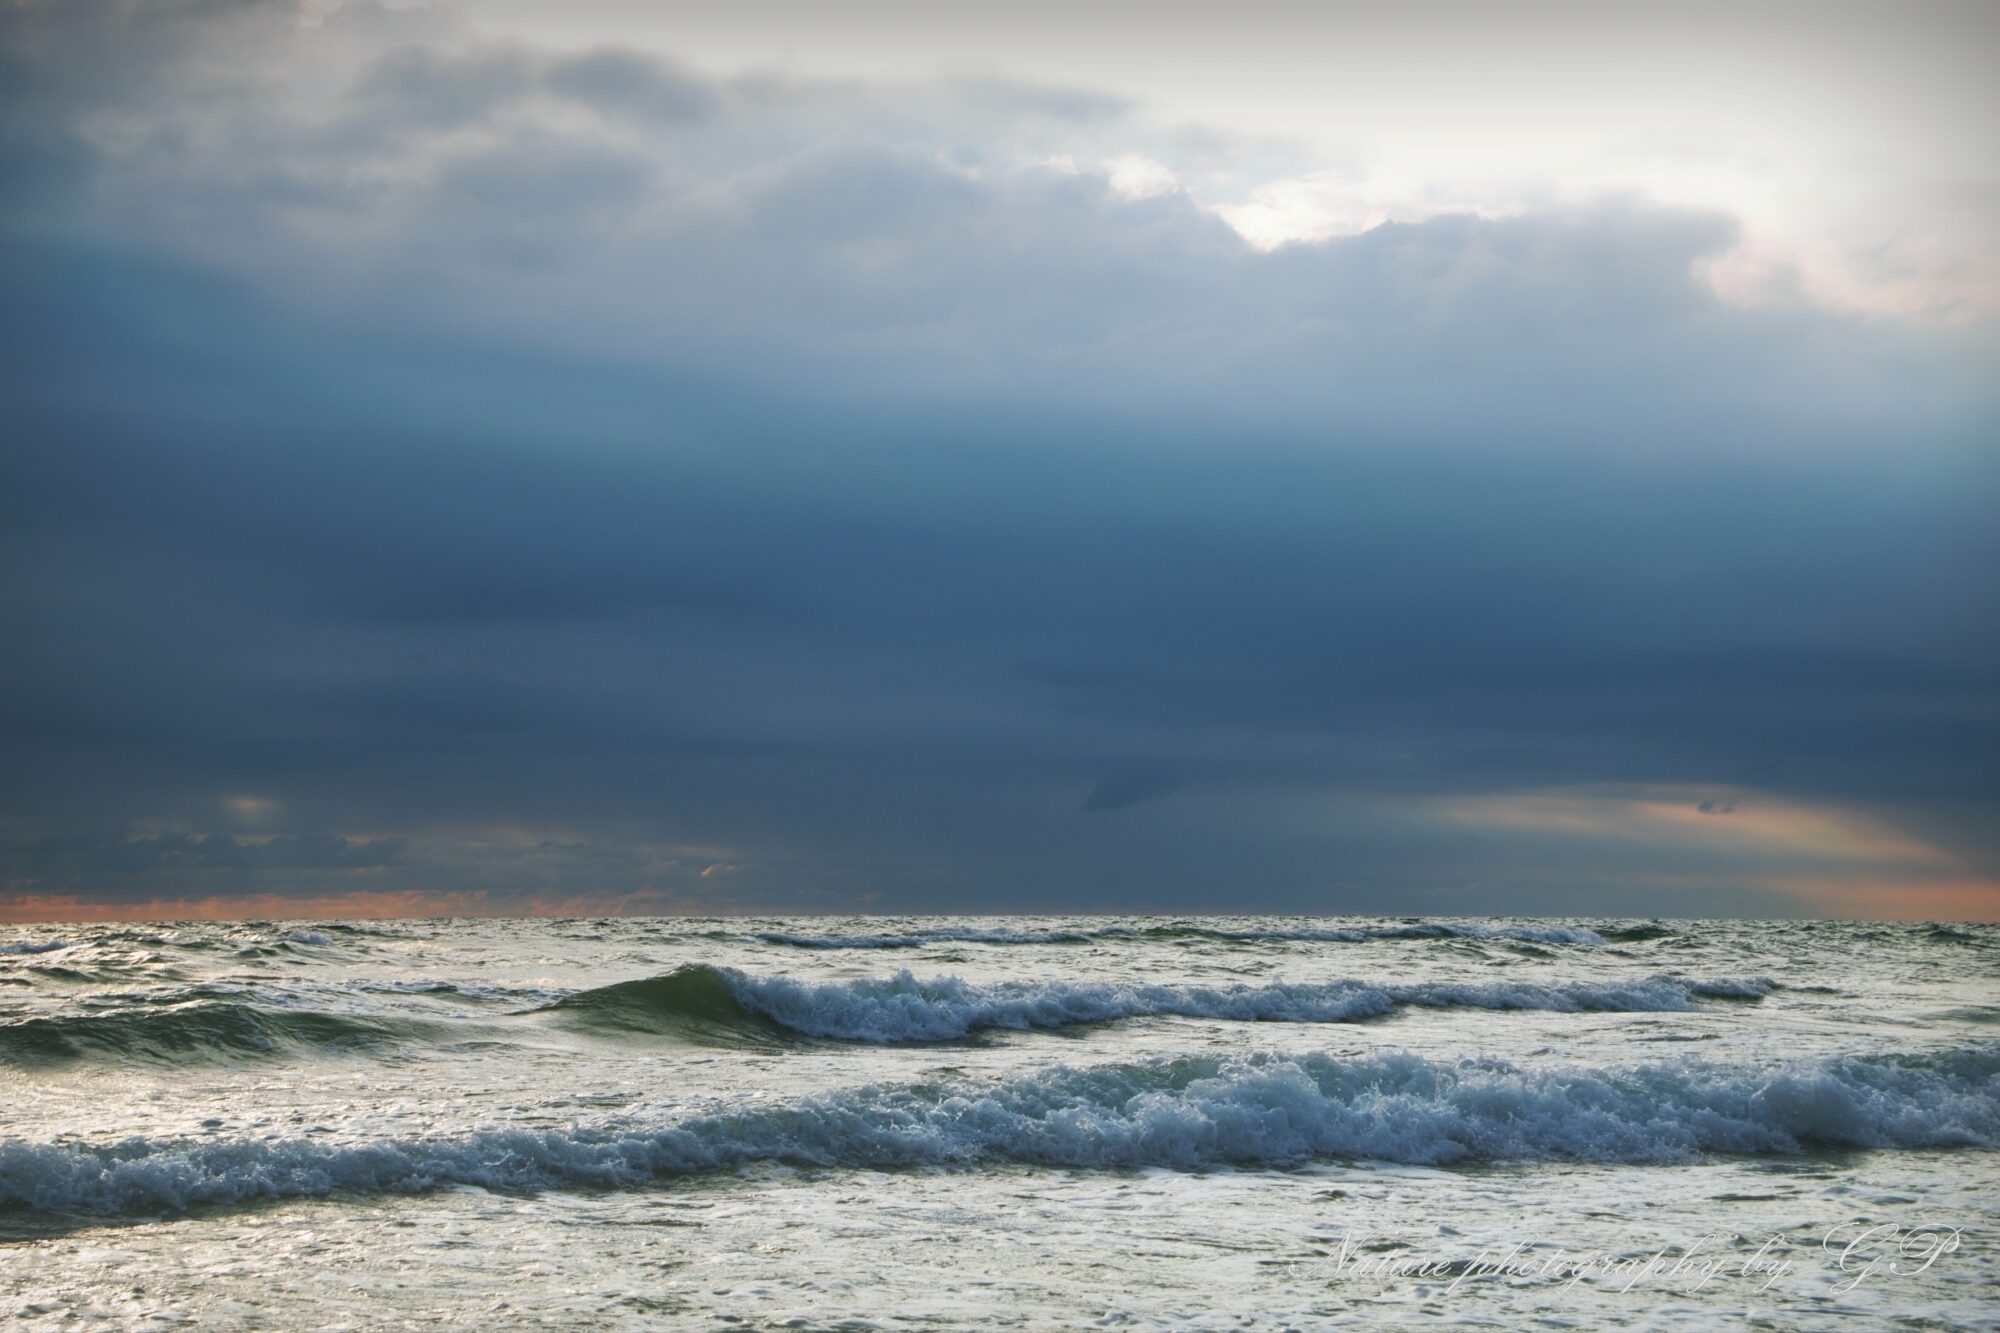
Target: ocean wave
pixel 1430 930
pixel 938 935
pixel 33 946
pixel 1639 934
pixel 201 1029
pixel 695 1002
pixel 1962 934
pixel 1187 1114
pixel 722 1005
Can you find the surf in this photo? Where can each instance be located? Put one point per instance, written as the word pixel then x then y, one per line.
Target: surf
pixel 726 1006
pixel 1188 1114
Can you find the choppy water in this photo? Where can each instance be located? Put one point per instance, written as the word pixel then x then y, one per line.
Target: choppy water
pixel 1027 1122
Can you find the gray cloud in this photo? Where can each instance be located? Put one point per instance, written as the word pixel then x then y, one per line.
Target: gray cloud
pixel 627 84
pixel 416 88
pixel 84 861
pixel 1129 786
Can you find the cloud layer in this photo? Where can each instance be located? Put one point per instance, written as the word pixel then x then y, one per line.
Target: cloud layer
pixel 440 465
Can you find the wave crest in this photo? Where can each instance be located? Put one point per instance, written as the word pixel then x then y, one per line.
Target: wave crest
pixel 213 1029
pixel 1256 1111
pixel 694 1002
pixel 1428 930
pixel 720 1005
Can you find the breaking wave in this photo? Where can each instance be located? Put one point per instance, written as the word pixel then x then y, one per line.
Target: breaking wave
pixel 721 1005
pixel 1256 1111
pixel 916 939
pixel 696 1003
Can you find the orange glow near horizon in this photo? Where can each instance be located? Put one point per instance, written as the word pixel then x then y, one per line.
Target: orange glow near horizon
pixel 1837 860
pixel 1899 900
pixel 1670 817
pixel 1860 900
pixel 1851 863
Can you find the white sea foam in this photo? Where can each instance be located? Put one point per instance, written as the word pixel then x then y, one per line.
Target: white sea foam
pixel 1263 1111
pixel 904 1008
pixel 915 939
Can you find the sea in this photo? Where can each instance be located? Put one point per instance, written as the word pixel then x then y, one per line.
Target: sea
pixel 1000 1122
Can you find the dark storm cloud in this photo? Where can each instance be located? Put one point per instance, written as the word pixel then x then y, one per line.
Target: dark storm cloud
pixel 1129 786
pixel 797 478
pixel 85 861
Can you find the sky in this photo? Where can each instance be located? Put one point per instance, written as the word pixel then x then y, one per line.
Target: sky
pixel 614 458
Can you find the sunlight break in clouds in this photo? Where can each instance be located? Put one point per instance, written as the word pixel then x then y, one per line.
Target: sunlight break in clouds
pixel 1863 865
pixel 1843 138
pixel 1752 823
